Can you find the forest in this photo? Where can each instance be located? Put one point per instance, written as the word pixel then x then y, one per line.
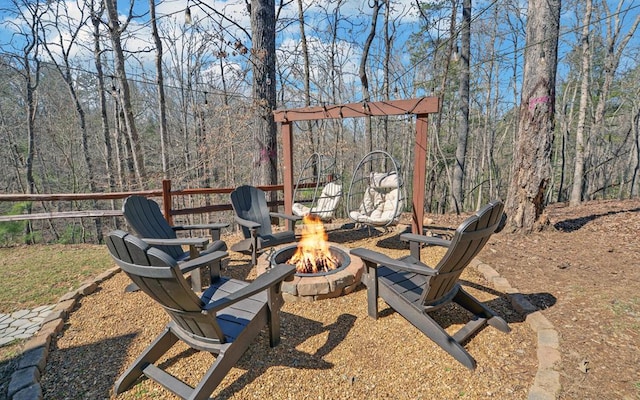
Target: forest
pixel 105 96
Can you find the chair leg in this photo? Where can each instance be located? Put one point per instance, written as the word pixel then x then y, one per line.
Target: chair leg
pixel 432 330
pixel 227 357
pixel 254 248
pixel 274 303
pixel 435 332
pixel 414 250
pixel 370 280
pixel 216 373
pixel 196 277
pixel 478 308
pixel 254 256
pixel 150 355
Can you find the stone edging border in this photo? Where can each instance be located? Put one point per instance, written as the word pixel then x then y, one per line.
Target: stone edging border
pixel 25 380
pixel 546 385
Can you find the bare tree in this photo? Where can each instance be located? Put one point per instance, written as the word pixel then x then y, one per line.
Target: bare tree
pixel 28 18
pixel 263 57
pixel 362 71
pixel 531 164
pixel 578 172
pixel 66 43
pixel 457 189
pixel 615 44
pixel 115 31
pixel 96 12
pixel 162 108
pixel 306 75
pixel 635 126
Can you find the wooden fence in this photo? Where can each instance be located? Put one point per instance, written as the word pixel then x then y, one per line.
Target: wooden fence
pixel 166 193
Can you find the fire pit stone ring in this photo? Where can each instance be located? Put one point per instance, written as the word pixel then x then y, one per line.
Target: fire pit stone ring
pixel 312 287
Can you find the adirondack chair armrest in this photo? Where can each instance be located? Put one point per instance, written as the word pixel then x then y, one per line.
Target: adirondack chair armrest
pixel 427 240
pixel 246 223
pixel 272 277
pixel 373 257
pixel 197 242
pixel 289 217
pixel 202 261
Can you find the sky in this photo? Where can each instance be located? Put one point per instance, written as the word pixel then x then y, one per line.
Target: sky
pixel 355 14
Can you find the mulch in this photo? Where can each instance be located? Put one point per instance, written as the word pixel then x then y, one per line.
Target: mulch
pixel 330 349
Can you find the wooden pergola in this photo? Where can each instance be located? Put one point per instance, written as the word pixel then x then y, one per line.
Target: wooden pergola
pixel 420 107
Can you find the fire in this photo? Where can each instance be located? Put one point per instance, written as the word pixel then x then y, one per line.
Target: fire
pixel 313 254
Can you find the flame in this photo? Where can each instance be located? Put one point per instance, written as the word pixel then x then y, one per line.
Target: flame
pixel 313 254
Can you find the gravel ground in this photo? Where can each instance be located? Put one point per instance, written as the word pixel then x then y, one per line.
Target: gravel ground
pixel 330 349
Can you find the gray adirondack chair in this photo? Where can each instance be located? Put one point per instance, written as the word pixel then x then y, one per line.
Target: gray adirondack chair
pixel 144 216
pixel 252 214
pixel 223 321
pixel 414 289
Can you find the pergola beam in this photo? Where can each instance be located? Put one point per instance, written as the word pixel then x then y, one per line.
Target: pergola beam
pixel 420 107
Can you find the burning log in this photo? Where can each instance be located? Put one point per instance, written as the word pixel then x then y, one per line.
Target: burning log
pixel 313 254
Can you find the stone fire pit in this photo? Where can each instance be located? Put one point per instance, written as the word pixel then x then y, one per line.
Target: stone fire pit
pixel 311 287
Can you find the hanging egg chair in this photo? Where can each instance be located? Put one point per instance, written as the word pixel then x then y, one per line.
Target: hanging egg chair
pixel 318 189
pixel 376 194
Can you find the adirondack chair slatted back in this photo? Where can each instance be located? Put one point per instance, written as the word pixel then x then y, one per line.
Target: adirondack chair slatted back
pixel 468 240
pixel 158 275
pixel 146 219
pixel 250 203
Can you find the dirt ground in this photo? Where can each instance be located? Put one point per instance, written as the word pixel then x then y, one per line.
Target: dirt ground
pixel 584 274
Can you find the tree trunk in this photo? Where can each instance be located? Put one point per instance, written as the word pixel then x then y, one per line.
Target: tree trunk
pixel 307 76
pixel 160 81
pixel 31 85
pixel 636 149
pixel 263 55
pixel 578 172
pixel 31 75
pixel 364 80
pixel 566 122
pixel 531 169
pixel 65 71
pixel 97 53
pixel 115 31
pixel 611 63
pixel 104 119
pixel 386 72
pixel 457 189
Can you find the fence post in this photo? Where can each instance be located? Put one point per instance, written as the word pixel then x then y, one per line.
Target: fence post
pixel 166 200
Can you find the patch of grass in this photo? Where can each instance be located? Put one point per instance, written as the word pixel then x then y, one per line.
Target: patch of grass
pixel 36 275
pixel 627 307
pixel 10 351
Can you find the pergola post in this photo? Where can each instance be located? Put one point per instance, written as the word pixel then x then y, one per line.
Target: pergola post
pixel 166 200
pixel 419 173
pixel 421 107
pixel 287 173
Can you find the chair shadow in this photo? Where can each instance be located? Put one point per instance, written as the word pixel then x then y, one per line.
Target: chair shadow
pixel 295 330
pixel 97 363
pixel 352 234
pixel 452 314
pixel 571 225
pixel 76 362
pixel 540 301
pixel 238 266
pixel 393 242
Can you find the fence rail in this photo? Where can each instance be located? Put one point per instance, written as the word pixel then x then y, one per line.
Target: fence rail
pixel 167 202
